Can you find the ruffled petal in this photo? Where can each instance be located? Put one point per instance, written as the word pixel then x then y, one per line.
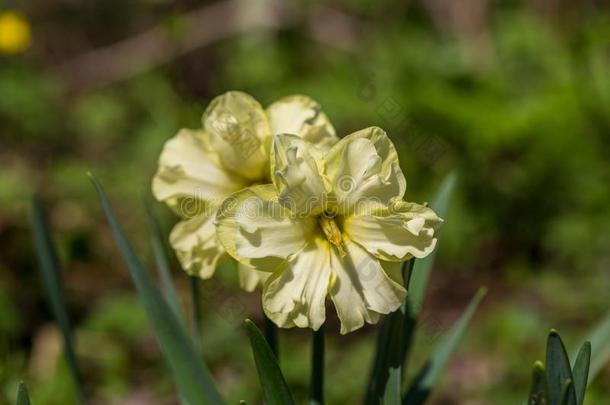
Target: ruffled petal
pixel 250 278
pixel 360 288
pixel 259 232
pixel 294 295
pixel 364 172
pixel 397 234
pixel 302 116
pixel 239 131
pixel 189 175
pixel 197 249
pixel 297 174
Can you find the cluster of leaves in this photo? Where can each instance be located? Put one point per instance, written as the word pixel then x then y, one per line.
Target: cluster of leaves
pixel 558 383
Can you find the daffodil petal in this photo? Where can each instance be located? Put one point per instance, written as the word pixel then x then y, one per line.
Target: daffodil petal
pixel 294 295
pixel 302 116
pixel 297 174
pixel 259 232
pixel 197 249
pixel 239 131
pixel 250 278
pixel 189 175
pixel 360 288
pixel 396 234
pixel 363 170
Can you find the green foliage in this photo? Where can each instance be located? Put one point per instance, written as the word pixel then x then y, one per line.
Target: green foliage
pixel 539 390
pixel 192 377
pixel 558 383
pixel 160 250
pixel 275 390
pixel 600 346
pixel 580 372
pixel 50 271
pixel 23 398
pixel 559 373
pixel 428 376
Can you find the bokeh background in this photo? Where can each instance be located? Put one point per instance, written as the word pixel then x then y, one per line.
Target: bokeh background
pixel 512 95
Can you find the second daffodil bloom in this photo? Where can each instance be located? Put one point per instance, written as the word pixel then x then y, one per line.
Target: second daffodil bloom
pixel 199 168
pixel 331 224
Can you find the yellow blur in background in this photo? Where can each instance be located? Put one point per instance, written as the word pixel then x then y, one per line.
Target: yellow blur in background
pixel 14 33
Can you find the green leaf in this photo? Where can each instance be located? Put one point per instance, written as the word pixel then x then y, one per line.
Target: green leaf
pixel 23 398
pixel 600 346
pixel 429 374
pixel 580 371
pixel 423 267
pixel 568 397
pixel 196 327
pixel 558 369
pixel 160 250
pixel 538 391
pixel 48 261
pixel 392 342
pixel 275 389
pixel 192 377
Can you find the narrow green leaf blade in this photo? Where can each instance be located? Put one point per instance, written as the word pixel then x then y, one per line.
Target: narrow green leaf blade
pixel 191 375
pixel 160 250
pixel 23 397
pixel 600 346
pixel 275 389
pixel 48 261
pixel 429 374
pixel 392 341
pixel 196 328
pixel 538 391
pixel 580 371
pixel 558 369
pixel 568 397
pixel 423 267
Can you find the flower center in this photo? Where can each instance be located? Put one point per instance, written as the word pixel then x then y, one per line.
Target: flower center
pixel 332 232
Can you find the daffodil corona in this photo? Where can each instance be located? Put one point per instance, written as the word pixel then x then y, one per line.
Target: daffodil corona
pixel 199 168
pixel 332 223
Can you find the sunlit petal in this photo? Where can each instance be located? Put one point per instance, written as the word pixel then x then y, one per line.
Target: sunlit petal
pixel 250 278
pixel 364 172
pixel 194 241
pixel 259 232
pixel 360 288
pixel 297 175
pixel 189 175
pixel 239 132
pixel 302 116
pixel 407 230
pixel 294 295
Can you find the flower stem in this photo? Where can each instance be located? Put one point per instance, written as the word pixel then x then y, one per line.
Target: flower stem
pixel 196 307
pixel 271 336
pixel 317 368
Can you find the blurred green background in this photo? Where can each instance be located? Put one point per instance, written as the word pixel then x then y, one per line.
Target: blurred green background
pixel 513 95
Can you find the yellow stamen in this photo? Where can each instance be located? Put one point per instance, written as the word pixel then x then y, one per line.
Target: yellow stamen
pixel 333 234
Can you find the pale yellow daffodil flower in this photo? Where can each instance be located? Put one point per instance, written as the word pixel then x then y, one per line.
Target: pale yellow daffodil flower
pixel 333 223
pixel 199 168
